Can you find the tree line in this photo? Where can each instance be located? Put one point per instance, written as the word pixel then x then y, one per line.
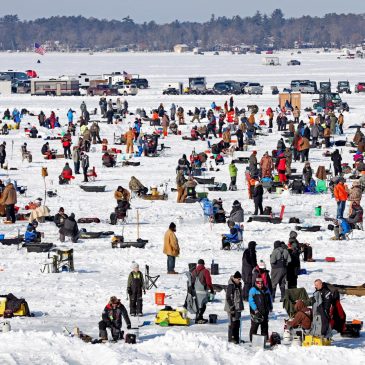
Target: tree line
pixel 274 30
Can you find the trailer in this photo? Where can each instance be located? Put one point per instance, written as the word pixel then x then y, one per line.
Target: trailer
pixel 83 78
pixel 54 87
pixel 271 61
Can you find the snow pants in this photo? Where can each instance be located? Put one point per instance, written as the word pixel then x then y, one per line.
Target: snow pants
pixel 278 277
pixel 116 332
pixel 135 303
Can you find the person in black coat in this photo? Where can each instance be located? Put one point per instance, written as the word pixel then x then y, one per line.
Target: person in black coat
pixel 249 261
pixel 257 195
pixel 293 267
pixel 112 318
pixel 60 217
pixel 70 229
pixel 239 135
pixel 336 159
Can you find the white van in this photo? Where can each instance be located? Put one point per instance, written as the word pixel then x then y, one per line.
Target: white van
pixel 127 89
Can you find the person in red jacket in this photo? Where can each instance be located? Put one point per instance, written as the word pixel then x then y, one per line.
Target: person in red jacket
pixel 281 167
pixel 202 283
pixel 66 174
pixel 52 120
pixel 66 144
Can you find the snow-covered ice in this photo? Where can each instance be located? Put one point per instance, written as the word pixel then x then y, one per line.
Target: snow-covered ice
pixel 77 299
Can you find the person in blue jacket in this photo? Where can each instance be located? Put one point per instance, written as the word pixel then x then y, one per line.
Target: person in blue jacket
pixel 235 235
pixel 31 234
pixel 70 116
pixel 259 299
pixel 342 228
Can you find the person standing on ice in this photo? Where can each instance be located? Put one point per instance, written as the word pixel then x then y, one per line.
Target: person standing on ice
pixel 135 288
pixel 249 262
pixel 260 307
pixel 202 282
pixel 234 307
pixel 171 248
pixel 279 260
pixel 70 116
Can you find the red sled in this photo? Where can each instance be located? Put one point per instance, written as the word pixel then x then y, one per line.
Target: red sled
pixel 330 259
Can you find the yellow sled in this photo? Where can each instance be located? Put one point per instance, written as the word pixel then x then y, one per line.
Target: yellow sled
pixel 172 317
pixel 316 341
pixel 21 312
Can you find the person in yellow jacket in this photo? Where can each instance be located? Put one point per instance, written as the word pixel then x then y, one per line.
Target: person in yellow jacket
pixel 129 136
pixel 171 248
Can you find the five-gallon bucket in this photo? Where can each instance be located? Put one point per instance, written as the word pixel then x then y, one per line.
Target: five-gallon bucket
pixel 160 298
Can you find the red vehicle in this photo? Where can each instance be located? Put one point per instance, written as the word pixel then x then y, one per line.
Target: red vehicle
pixel 102 89
pixel 31 74
pixel 360 87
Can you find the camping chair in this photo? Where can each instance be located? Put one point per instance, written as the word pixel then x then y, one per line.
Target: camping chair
pixel 61 261
pixel 150 281
pixel 291 296
pixel 237 244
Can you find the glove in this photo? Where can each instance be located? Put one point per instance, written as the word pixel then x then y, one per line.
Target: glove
pixel 128 326
pixel 212 292
pixel 129 291
pixel 144 292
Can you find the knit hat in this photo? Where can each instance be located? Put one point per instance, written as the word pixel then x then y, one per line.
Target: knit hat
pixel 237 275
pixel 172 226
pixel 201 262
pixel 262 265
pixel 135 265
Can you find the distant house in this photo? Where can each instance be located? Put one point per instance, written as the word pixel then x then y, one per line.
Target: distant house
pixel 181 48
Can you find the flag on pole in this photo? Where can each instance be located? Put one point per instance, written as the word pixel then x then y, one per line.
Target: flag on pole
pixel 127 76
pixel 39 49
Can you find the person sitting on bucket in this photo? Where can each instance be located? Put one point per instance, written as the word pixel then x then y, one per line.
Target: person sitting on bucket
pixel 202 282
pixel 31 234
pixel 112 318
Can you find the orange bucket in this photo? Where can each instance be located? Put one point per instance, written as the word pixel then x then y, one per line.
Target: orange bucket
pixel 160 298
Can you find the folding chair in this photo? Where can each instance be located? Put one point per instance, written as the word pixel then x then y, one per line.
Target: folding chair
pixel 237 245
pixel 150 281
pixel 60 261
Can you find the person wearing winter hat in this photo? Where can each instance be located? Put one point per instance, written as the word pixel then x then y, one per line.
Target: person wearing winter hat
pixel 9 199
pixel 202 282
pixel 257 194
pixel 70 229
pixel 135 288
pixel 237 213
pixel 249 261
pixel 112 318
pixel 260 272
pixel 279 260
pixel 260 306
pixel 171 248
pixel 234 306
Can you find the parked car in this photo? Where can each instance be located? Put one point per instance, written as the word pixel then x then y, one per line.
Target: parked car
pixel 102 89
pixel 221 88
pixel 140 83
pixel 171 91
pixel 360 87
pixel 127 89
pixel 293 63
pixel 304 86
pixel 234 86
pixel 253 88
pixel 325 87
pixel 343 87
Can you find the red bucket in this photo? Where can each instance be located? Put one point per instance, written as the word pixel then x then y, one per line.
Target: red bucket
pixel 160 298
pixel 330 259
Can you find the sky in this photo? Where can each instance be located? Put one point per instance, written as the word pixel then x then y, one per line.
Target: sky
pixel 163 11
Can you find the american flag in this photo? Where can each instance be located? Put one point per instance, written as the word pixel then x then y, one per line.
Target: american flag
pixel 127 75
pixel 39 49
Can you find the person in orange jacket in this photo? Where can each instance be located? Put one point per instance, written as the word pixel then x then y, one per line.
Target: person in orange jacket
pixel 341 195
pixel 129 136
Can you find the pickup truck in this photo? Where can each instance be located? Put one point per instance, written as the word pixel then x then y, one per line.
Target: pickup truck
pixel 102 90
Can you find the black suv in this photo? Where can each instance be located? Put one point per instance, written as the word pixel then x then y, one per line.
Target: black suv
pixel 140 83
